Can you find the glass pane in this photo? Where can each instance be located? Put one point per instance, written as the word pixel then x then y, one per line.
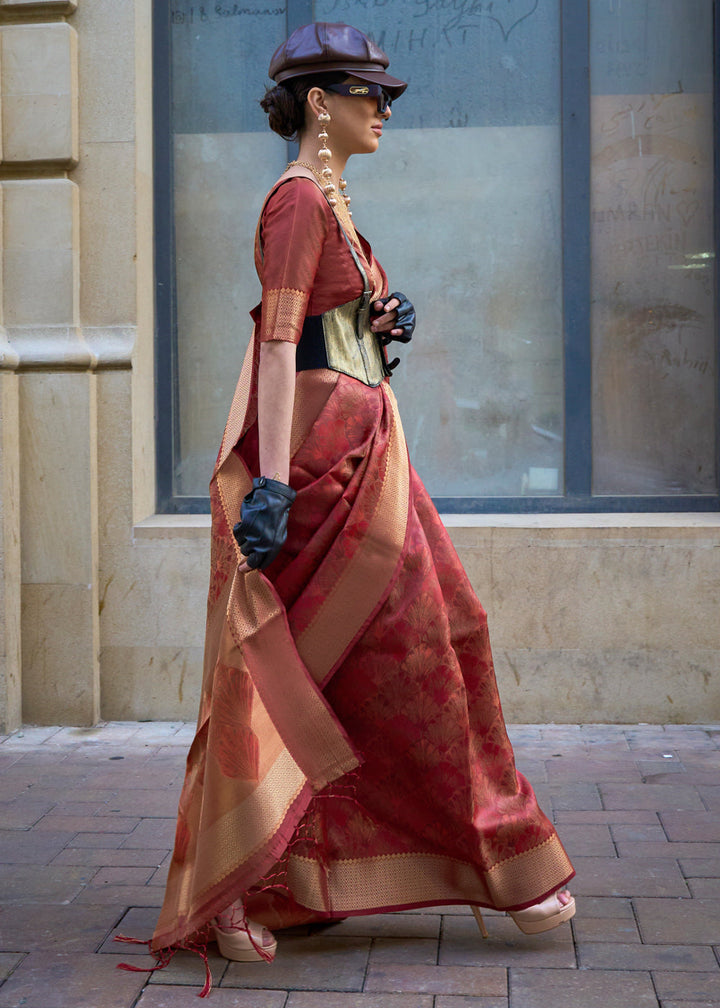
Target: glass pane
pixel 653 294
pixel 225 160
pixel 461 204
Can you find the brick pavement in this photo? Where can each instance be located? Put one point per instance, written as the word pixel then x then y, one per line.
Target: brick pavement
pixel 87 818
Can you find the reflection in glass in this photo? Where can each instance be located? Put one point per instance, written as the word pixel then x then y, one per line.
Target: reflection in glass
pixel 653 296
pixel 461 204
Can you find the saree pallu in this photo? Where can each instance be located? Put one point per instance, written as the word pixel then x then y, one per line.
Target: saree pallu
pixel 351 754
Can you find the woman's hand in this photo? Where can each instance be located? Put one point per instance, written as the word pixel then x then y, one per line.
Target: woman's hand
pixel 262 528
pixel 395 318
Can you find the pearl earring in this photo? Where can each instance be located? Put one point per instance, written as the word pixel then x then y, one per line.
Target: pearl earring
pixel 324 154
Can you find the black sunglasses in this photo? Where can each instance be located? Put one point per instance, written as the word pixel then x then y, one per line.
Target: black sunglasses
pixel 384 101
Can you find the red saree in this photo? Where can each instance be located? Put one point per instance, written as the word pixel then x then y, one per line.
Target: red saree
pixel 351 755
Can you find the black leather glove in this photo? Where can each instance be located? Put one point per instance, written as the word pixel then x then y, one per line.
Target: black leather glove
pixel 405 319
pixel 262 528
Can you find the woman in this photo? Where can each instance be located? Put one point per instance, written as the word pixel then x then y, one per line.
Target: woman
pixel 351 755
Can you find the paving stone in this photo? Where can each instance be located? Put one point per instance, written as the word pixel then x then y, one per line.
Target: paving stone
pixel 604 906
pixel 120 857
pixel 462 945
pixel 628 877
pixel 124 876
pixel 187 969
pixel 698 827
pixel 671 777
pixel 158 802
pixel 41 883
pixel 19 847
pixel 607 816
pixel 8 962
pixel 688 987
pixel 634 832
pixel 11 789
pixel 576 797
pixel 110 840
pixel 172 996
pixel 105 732
pixel 574 769
pixel 534 770
pixel 701 759
pixel 659 767
pixel 23 812
pixel 540 988
pixel 316 963
pixel 604 929
pixel 71 792
pixel 154 773
pixel 663 921
pixel 75 807
pixel 160 875
pixel 30 736
pixel 152 833
pixel 653 849
pixel 490 981
pixel 689 1004
pixel 121 896
pixel 598 955
pixel 335 1000
pixel 38 926
pixel 705 888
pixel 469 1002
pixel 701 867
pixel 588 841
pixel 58 771
pixel 49 980
pixel 56 820
pixel 650 796
pixel 137 922
pixel 389 926
pixel 399 950
pixel 710 796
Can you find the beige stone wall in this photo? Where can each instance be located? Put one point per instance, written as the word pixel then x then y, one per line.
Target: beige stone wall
pixel 70 312
pixel 101 601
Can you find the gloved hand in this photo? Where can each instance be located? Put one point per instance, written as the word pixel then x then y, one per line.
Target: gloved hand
pixel 405 319
pixel 262 528
pixel 399 328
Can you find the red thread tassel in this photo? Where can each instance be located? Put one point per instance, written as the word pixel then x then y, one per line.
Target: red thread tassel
pixel 164 957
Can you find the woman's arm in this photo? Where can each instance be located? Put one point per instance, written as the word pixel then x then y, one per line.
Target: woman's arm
pixel 276 398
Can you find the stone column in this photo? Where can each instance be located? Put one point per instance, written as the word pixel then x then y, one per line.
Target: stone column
pixel 55 437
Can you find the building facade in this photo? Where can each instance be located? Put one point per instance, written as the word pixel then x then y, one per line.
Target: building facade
pixel 546 194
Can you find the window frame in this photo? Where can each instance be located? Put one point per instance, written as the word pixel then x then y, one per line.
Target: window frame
pixel 576 276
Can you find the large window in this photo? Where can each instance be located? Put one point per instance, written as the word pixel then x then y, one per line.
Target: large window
pixel 545 194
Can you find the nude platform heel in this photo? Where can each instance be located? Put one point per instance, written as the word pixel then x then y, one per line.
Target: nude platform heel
pixel 238 946
pixel 535 919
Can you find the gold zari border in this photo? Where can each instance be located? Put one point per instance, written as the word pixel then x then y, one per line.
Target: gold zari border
pixel 405 879
pixel 248 827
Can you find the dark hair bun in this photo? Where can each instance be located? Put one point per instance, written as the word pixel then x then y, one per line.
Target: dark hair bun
pixel 285 113
pixel 285 103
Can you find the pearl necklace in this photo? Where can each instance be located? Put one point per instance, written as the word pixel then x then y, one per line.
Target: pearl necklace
pixel 326 183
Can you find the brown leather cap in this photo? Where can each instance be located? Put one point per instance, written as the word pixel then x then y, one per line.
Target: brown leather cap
pixel 324 46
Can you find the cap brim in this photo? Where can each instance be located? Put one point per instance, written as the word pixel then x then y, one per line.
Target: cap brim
pixel 392 85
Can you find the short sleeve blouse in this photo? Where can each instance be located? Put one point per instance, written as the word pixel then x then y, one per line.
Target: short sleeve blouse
pixel 303 261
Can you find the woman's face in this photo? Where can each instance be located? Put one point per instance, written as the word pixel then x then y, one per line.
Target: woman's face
pixel 356 125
